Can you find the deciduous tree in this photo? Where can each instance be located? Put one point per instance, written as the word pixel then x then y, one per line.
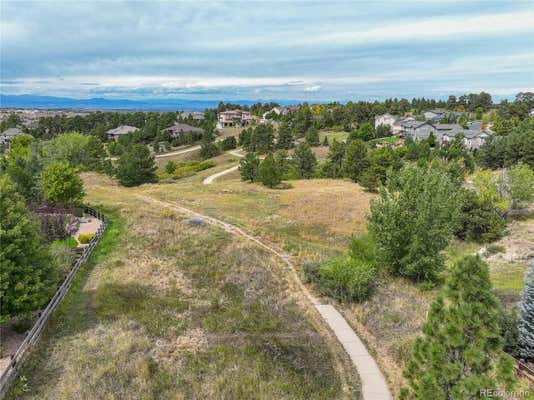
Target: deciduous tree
pixel 413 221
pixel 28 276
pixel 61 184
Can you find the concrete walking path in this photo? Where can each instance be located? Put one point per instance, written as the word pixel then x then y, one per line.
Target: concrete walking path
pixel 374 385
pixel 209 180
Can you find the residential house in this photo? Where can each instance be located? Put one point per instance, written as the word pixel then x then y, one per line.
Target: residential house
pixel 234 117
pixel 417 130
pixel 430 115
pixel 7 135
pixel 473 139
pixel 289 109
pixel 385 119
pixel 397 128
pixel 436 115
pixel 196 115
pixel 179 129
pixel 474 136
pixel 275 110
pixel 114 134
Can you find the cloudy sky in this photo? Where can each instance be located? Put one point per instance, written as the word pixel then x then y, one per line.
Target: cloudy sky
pixel 298 50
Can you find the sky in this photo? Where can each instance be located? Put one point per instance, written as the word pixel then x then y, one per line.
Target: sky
pixel 299 50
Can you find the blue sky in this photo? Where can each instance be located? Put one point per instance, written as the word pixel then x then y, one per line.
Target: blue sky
pixel 300 50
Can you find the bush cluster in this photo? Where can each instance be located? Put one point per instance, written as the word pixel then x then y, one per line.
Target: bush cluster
pixel 85 238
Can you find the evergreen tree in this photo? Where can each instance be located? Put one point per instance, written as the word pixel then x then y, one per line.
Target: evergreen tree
pixel 262 139
pixel 305 160
pixel 28 276
pixel 61 185
pixel 208 148
pixel 228 143
pixel 268 173
pixel 460 352
pixel 312 137
pixel 248 167
pixel 136 166
pixel 245 137
pixel 170 167
pixel 285 137
pixel 333 165
pixel 526 318
pixel 479 221
pixel 356 159
pixel 325 141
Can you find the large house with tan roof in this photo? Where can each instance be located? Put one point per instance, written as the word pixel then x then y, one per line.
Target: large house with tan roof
pixel 233 118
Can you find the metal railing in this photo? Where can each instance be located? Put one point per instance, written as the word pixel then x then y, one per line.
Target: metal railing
pixel 11 370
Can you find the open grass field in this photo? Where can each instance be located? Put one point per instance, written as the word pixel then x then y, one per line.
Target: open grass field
pixel 178 310
pixel 340 136
pixel 315 219
pixel 169 309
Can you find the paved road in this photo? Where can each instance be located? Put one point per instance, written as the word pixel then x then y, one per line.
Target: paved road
pixel 209 180
pixel 374 385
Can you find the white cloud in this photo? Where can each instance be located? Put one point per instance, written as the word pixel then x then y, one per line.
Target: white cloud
pixel 437 27
pixel 313 88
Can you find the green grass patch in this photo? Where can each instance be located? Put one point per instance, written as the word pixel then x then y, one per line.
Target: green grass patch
pixel 68 242
pixel 185 169
pixel 389 139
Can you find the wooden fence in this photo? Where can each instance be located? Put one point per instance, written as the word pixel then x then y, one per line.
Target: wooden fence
pixel 11 371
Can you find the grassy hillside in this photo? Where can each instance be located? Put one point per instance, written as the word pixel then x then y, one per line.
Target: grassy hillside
pixel 315 219
pixel 168 309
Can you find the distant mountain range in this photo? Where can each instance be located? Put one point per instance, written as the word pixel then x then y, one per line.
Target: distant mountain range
pixel 50 102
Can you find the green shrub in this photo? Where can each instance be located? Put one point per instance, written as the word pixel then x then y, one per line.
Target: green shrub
pixel 184 169
pixel 311 271
pixel 494 249
pixel 85 238
pixel 363 248
pixel 346 279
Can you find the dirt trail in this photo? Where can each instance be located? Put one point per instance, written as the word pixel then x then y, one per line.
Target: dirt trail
pixel 374 386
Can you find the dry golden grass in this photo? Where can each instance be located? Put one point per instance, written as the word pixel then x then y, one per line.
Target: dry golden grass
pixel 339 206
pixel 171 310
pixel 315 219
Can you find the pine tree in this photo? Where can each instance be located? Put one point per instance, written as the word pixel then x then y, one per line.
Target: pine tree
pixel 28 276
pixel 285 137
pixel 208 148
pixel 460 351
pixel 356 159
pixel 333 165
pixel 170 167
pixel 248 167
pixel 136 166
pixel 312 137
pixel 305 160
pixel 268 173
pixel 526 319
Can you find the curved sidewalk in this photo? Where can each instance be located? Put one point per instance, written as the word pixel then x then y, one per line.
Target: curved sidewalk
pixel 374 385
